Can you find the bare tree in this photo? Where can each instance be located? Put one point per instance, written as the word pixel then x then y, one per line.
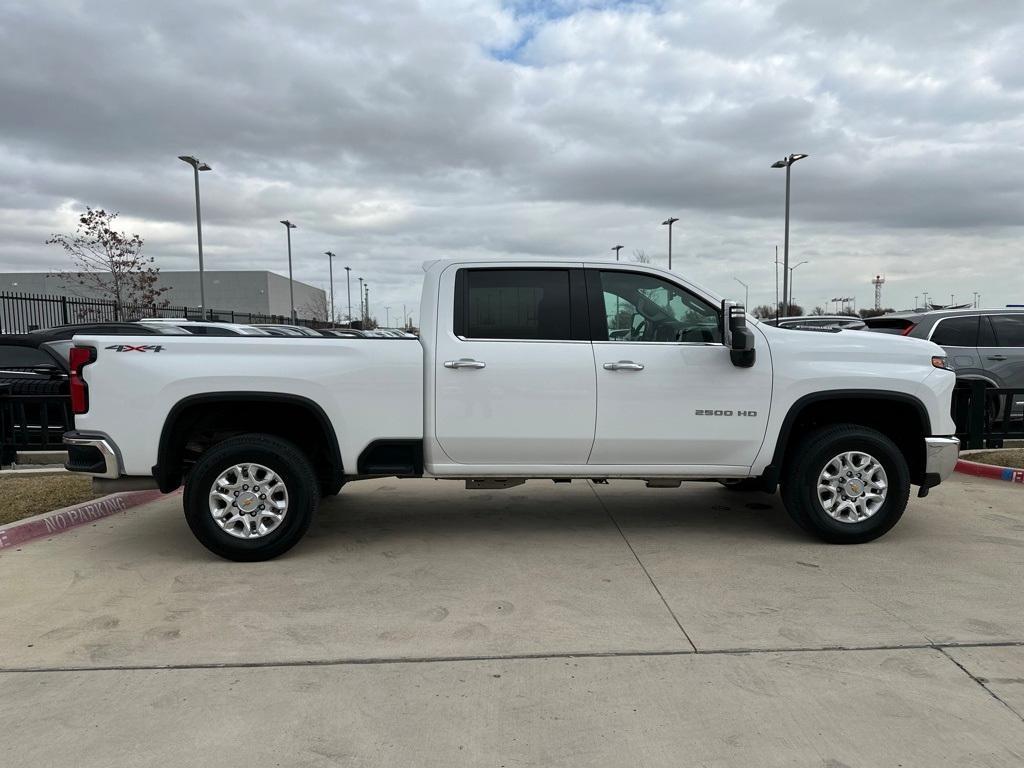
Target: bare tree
pixel 640 256
pixel 317 307
pixel 110 264
pixel 764 311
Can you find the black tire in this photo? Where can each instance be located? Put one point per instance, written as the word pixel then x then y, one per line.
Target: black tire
pixel 800 483
pixel 744 485
pixel 281 457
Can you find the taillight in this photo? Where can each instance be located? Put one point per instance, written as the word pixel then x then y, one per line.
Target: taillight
pixel 908 329
pixel 78 358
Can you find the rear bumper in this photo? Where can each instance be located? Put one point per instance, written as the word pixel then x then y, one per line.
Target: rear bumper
pixel 93 454
pixel 941 454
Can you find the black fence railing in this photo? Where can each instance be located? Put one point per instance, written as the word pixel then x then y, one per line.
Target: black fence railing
pixel 986 416
pixel 33 418
pixel 22 312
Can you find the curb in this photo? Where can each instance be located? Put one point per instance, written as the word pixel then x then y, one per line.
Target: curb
pixel 62 520
pixel 1009 474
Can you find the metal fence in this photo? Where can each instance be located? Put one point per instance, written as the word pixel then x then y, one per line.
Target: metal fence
pixel 34 419
pixel 986 416
pixel 22 312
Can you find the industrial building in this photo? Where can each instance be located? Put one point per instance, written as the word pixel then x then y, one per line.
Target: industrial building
pixel 256 291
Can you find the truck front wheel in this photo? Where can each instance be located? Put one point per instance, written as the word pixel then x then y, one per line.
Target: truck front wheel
pixel 251 497
pixel 846 484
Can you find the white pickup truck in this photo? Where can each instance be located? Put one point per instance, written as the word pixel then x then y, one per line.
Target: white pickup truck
pixel 525 369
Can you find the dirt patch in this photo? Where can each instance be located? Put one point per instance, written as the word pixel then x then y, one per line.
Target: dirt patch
pixel 1013 457
pixel 33 494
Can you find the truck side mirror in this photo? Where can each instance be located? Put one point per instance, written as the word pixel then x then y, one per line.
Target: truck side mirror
pixel 736 336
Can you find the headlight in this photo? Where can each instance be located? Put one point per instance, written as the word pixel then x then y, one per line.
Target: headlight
pixel 940 361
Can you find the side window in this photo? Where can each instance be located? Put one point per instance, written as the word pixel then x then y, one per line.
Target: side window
pixel 956 332
pixel 1009 330
pixel 514 304
pixel 640 307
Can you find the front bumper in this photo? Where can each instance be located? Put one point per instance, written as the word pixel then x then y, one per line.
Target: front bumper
pixel 940 454
pixel 93 454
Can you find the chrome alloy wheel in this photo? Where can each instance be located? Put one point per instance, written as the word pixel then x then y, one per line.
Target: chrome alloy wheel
pixel 852 487
pixel 248 501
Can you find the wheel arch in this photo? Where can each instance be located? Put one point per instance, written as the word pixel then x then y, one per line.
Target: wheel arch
pixel 814 409
pixel 187 415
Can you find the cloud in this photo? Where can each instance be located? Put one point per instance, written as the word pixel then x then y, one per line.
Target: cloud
pixel 399 131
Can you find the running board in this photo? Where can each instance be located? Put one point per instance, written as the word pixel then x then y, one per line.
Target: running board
pixel 492 485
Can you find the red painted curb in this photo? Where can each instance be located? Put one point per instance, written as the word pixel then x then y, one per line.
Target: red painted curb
pixel 1008 474
pixel 65 519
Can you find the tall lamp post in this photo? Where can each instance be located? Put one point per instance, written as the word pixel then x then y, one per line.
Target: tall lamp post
pixel 669 221
pixel 291 288
pixel 348 290
pixel 362 314
pixel 746 293
pixel 787 163
pixel 330 270
pixel 366 289
pixel 197 166
pixel 617 248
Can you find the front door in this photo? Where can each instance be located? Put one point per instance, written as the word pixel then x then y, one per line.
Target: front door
pixel 514 368
pixel 667 392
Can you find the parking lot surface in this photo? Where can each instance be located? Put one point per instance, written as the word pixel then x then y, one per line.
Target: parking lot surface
pixel 421 624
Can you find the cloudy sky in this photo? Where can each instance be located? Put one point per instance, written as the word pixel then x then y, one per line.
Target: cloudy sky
pixel 396 131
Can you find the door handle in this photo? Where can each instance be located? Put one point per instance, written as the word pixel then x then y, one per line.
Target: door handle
pixel 464 362
pixel 624 365
pixel 996 357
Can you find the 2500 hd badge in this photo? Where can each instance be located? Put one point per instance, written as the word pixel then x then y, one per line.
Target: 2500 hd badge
pixel 718 412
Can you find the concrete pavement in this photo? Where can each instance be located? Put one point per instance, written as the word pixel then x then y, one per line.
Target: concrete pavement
pixel 542 625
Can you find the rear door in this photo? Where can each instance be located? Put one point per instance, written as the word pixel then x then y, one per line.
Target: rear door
pixel 1001 348
pixel 514 369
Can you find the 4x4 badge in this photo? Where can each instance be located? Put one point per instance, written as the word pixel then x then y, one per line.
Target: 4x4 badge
pixel 135 348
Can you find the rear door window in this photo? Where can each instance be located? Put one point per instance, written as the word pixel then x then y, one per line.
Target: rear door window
pixel 956 332
pixel 526 304
pixel 24 357
pixel 1009 330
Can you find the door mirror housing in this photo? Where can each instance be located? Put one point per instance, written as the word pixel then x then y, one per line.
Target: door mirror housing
pixel 736 336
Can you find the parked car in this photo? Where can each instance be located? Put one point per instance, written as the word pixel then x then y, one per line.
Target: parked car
pixel 982 344
pixel 204 328
pixel 343 333
pixel 819 323
pixel 50 346
pixel 515 377
pixel 35 404
pixel 288 330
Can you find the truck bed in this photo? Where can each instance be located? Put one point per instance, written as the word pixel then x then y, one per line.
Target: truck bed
pixel 369 388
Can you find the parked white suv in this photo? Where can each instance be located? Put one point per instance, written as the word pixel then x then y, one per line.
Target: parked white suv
pixel 524 369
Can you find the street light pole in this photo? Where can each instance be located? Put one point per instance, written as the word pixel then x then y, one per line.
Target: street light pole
pixel 348 290
pixel 787 163
pixel 746 293
pixel 330 267
pixel 387 316
pixel 776 284
pixel 362 315
pixel 670 221
pixel 291 289
pixel 367 289
pixel 617 248
pixel 198 166
pixel 791 269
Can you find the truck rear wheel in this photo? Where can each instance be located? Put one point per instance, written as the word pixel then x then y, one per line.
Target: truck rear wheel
pixel 846 484
pixel 251 497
